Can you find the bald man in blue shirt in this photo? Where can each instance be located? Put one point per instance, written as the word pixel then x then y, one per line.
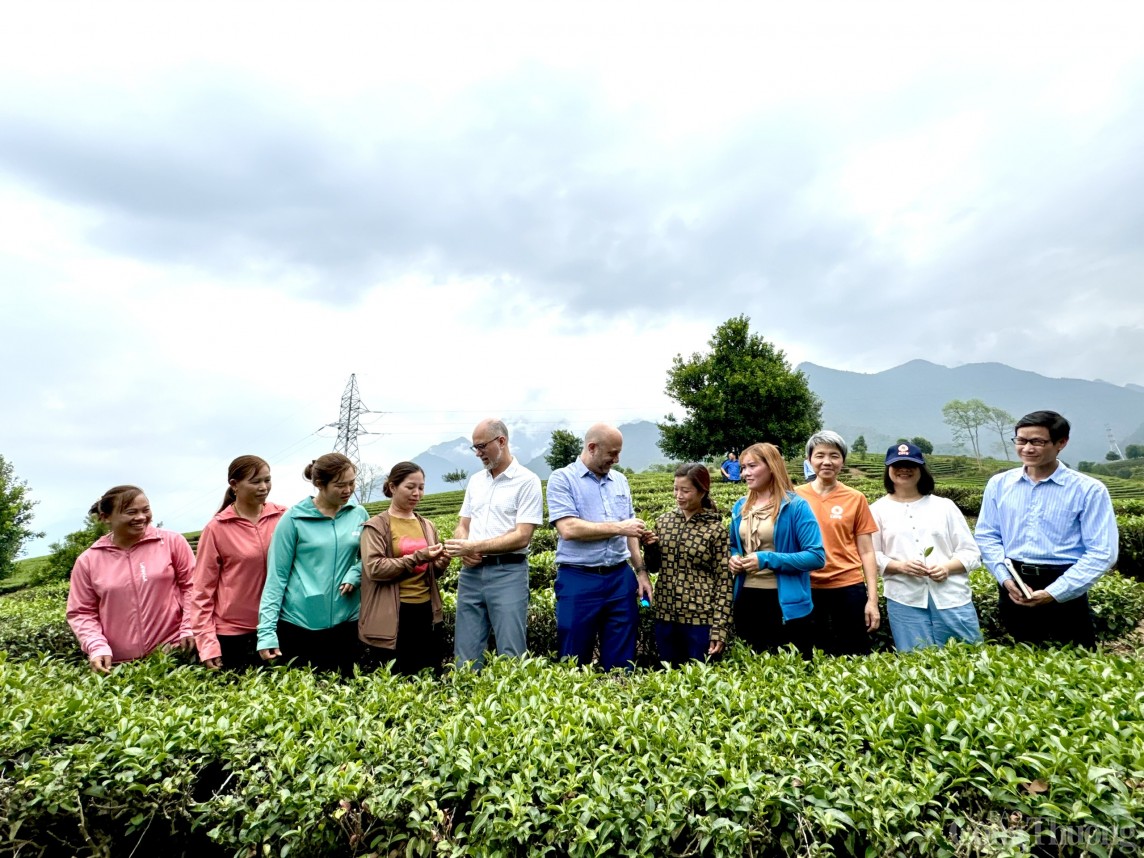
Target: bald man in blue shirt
pixel 600 573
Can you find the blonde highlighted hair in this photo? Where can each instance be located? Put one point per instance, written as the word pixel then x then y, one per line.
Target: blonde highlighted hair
pixel 770 456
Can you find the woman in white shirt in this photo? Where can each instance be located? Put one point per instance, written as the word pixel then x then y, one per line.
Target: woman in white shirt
pixel 924 551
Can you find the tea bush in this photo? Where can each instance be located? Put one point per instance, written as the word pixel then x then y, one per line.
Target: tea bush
pixel 968 499
pixel 1131 560
pixel 32 622
pixel 760 755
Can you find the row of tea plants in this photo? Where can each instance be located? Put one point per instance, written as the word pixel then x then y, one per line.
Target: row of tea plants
pixel 959 751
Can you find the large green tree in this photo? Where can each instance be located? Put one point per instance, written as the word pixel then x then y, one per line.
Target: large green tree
pixel 15 517
pixel 922 444
pixel 564 449
pixel 65 552
pixel 740 392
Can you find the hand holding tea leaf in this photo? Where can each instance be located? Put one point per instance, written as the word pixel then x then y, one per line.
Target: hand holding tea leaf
pixel 916 568
pixel 936 573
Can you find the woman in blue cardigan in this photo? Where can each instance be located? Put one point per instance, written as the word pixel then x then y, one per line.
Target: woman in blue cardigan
pixel 775 544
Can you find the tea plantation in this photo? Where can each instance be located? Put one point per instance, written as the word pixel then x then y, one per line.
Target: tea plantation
pixel 993 750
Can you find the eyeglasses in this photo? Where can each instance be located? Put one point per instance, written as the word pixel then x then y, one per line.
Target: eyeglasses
pixel 1030 442
pixel 480 448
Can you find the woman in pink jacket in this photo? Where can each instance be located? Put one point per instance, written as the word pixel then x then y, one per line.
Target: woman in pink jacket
pixel 231 568
pixel 130 591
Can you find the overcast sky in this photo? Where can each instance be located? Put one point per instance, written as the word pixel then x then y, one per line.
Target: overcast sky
pixel 210 217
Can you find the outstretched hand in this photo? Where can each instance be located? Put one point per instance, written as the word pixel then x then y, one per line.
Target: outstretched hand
pixel 100 663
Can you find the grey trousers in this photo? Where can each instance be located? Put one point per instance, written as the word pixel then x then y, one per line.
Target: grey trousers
pixel 491 598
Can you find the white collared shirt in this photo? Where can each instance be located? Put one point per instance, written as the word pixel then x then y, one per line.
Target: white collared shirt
pixel 496 505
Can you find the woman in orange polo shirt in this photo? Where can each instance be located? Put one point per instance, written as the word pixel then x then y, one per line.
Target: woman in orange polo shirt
pixel 845 590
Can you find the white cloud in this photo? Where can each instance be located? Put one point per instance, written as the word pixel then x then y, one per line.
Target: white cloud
pixel 211 215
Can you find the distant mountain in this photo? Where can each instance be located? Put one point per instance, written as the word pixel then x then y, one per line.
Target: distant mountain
pixel 530 445
pixel 539 466
pixel 907 400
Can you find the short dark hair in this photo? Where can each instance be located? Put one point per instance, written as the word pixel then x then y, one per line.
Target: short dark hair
pixel 397 475
pixel 925 480
pixel 327 468
pixel 1056 424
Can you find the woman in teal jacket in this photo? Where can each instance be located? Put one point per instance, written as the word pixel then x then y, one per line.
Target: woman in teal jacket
pixel 775 545
pixel 309 607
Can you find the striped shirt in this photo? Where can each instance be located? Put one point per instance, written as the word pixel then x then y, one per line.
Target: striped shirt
pixel 575 492
pixel 1066 518
pixel 495 505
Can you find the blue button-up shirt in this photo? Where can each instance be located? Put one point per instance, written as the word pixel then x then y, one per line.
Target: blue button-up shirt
pixel 576 492
pixel 1065 518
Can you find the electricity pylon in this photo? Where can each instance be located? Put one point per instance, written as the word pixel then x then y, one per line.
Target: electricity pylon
pixel 349 424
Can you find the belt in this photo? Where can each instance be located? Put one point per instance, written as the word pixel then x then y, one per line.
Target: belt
pixel 597 570
pixel 1041 568
pixel 498 559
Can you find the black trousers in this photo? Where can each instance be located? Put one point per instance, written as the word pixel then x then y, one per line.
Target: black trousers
pixel 333 649
pixel 1055 623
pixel 239 651
pixel 840 620
pixel 759 622
pixel 419 643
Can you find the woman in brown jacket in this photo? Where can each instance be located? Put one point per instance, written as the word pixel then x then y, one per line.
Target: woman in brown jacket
pixel 400 620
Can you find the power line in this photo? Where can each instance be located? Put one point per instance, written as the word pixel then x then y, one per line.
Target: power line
pixel 349 423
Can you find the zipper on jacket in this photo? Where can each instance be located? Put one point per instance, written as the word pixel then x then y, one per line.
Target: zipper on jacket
pixel 337 588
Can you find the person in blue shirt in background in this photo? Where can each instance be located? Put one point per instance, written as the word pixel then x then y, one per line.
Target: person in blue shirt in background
pixel 1056 527
pixel 730 469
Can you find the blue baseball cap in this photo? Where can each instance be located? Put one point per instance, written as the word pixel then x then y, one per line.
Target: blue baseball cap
pixel 904 453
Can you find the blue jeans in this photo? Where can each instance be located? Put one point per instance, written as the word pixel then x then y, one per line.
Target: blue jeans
pixel 679 643
pixel 492 597
pixel 914 628
pixel 591 607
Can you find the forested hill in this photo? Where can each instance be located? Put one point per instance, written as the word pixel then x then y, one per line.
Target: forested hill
pixel 907 401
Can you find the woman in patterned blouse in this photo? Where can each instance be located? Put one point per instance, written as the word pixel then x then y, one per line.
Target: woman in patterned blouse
pixel 693 591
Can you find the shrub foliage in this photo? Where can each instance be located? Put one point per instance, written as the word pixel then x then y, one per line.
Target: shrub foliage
pixel 760 755
pixel 958 751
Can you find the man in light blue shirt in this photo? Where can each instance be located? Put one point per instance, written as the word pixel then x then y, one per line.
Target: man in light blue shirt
pixel 1056 527
pixel 600 575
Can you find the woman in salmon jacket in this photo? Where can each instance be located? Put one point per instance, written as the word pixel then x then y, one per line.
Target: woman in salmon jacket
pixel 401 555
pixel 130 591
pixel 309 605
pixel 230 568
